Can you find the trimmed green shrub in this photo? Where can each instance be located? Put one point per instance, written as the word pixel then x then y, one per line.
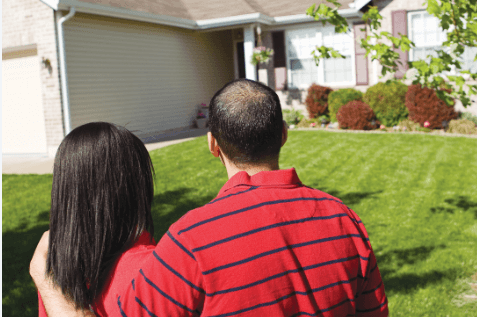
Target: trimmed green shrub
pixel 462 126
pixel 424 105
pixel 341 97
pixel 317 100
pixel 356 115
pixel 388 101
pixel 292 116
pixel 469 116
pixel 409 125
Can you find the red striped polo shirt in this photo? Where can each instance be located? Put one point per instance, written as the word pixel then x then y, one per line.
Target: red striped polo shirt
pixel 265 246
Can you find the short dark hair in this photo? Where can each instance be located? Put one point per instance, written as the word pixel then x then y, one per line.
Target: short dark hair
pixel 245 117
pixel 103 186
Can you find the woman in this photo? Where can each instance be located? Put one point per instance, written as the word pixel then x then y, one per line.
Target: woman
pixel 100 216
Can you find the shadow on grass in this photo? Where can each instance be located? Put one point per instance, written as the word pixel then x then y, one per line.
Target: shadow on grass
pixel 19 297
pixel 460 202
pixel 171 205
pixel 353 198
pixel 391 262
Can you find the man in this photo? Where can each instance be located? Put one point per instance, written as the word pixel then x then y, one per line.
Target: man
pixel 265 246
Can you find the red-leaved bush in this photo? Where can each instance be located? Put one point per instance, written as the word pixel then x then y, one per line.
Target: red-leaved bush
pixel 317 100
pixel 356 115
pixel 424 105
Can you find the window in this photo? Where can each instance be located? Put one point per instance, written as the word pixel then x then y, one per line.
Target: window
pixel 338 70
pixel 428 37
pixel 302 70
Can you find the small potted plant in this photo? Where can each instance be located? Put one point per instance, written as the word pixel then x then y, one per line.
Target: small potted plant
pixel 201 118
pixel 261 54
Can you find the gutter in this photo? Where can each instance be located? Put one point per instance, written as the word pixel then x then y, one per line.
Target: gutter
pixel 63 71
pixel 207 24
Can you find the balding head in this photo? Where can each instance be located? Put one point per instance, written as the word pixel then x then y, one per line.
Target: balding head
pixel 246 119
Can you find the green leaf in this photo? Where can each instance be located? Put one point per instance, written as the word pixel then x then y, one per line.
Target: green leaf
pixel 311 10
pixel 433 7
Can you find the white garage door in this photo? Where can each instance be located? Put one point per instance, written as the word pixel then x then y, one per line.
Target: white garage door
pixel 146 77
pixel 23 121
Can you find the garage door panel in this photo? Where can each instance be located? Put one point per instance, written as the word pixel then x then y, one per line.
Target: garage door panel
pixel 23 121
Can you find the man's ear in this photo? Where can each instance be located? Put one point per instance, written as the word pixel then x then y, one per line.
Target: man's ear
pixel 213 145
pixel 284 133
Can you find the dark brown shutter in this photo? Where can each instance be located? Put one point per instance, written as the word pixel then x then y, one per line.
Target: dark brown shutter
pixel 399 19
pixel 279 60
pixel 360 59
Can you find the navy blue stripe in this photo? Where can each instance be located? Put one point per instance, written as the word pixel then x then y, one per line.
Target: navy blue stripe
pixel 374 289
pixel 320 311
pixel 267 203
pixel 279 300
pixel 145 308
pixel 300 269
pixel 244 191
pixel 180 245
pixel 288 247
pixel 374 268
pixel 375 308
pixel 177 273
pixel 164 294
pixel 120 308
pixel 276 225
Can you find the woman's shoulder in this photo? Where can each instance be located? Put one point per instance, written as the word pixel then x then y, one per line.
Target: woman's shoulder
pixel 123 272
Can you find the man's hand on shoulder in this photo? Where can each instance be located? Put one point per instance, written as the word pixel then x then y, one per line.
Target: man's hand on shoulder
pixel 55 303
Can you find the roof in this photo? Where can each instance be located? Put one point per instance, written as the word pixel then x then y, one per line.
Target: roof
pixel 200 14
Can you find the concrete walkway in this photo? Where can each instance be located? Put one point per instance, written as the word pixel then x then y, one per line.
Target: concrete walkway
pixel 16 164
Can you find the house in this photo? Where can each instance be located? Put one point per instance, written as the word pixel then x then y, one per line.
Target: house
pixel 147 64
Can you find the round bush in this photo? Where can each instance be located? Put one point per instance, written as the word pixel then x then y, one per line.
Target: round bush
pixel 462 126
pixel 341 97
pixel 356 115
pixel 317 100
pixel 424 105
pixel 388 101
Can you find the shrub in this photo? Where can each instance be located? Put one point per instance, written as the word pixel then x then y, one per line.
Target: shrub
pixel 292 116
pixel 462 126
pixel 356 115
pixel 341 97
pixel 388 101
pixel 308 123
pixel 317 100
pixel 408 125
pixel 469 116
pixel 424 105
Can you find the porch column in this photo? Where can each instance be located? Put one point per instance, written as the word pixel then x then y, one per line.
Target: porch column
pixel 248 45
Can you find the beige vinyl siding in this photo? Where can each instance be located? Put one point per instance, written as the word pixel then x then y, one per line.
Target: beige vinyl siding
pixel 147 77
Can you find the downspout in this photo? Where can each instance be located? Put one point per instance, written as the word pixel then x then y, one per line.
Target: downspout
pixel 63 71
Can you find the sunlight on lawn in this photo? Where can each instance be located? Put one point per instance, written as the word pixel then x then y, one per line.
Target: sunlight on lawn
pixel 414 193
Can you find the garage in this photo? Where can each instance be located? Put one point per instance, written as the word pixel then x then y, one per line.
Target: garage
pixel 23 121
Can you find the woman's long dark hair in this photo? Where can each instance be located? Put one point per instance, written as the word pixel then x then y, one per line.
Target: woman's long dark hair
pixel 100 204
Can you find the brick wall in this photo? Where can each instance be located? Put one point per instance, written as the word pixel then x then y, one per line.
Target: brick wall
pixel 26 22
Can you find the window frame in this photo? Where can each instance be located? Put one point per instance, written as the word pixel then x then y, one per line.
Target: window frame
pixel 320 71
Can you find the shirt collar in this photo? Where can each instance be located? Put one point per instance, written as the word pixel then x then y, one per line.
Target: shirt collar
pixel 266 178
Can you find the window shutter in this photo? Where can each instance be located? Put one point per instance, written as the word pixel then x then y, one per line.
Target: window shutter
pixel 399 20
pixel 360 58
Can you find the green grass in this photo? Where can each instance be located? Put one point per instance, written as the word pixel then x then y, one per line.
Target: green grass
pixel 416 194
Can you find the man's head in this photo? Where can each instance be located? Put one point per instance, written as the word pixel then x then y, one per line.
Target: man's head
pixel 245 118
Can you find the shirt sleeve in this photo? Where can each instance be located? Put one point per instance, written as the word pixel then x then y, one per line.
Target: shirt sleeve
pixel 41 307
pixel 371 300
pixel 169 283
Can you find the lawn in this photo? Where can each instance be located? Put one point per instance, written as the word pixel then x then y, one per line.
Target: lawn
pixel 416 194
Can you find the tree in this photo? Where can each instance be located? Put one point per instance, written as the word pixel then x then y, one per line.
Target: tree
pixel 457 17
